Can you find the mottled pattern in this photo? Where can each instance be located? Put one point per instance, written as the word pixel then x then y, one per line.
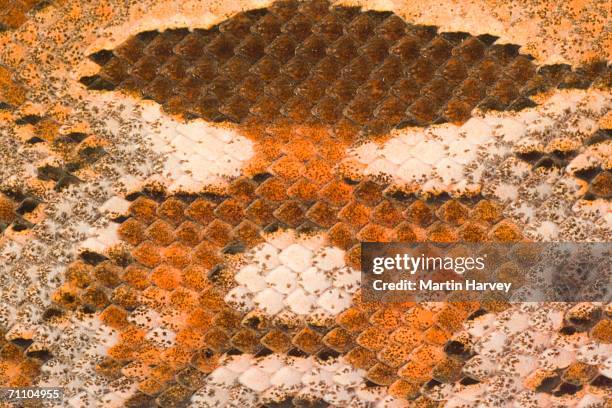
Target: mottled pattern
pixel 178 260
pixel 206 254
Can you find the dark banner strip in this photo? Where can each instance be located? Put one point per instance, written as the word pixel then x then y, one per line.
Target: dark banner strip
pixel 512 272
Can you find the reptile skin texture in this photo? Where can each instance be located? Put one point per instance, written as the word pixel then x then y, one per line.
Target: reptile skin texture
pixel 182 205
pixel 314 64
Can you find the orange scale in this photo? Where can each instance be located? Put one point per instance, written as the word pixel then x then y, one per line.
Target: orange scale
pixel 126 296
pixel 288 167
pixel 403 389
pixel 538 377
pixel 487 211
pixel 218 232
pixel 332 152
pixel 406 232
pixel 269 149
pixel 602 331
pixel 277 341
pixel 150 387
pixel 451 318
pixel 416 372
pixel 273 189
pixel 428 354
pixel 5 369
pixel 148 354
pixel 206 255
pixel 184 300
pixel 202 211
pixel 352 257
pixel 137 276
pixel 7 209
pixel 147 254
pixel 381 374
pixel 205 360
pixel 304 190
pixel 337 192
pixel 473 232
pixel 131 337
pixel 387 317
pixel 448 370
pixel 177 254
pixel 194 277
pixel 355 214
pixel 211 299
pixel 436 335
pixel 189 233
pixel 419 213
pixel 20 381
pixel 47 129
pixel 166 277
pixel 190 338
pixel 11 352
pixel 366 307
pixel 162 372
pixel 247 233
pixel 216 339
pixel 78 273
pixel 302 148
pixel 341 236
pixel 387 214
pixel 160 232
pixel 579 373
pixel 407 336
pixel 29 368
pixel 178 357
pixel 107 274
pixel 352 320
pixel 394 355
pixel 375 233
pixel 243 189
pixel 144 209
pixel 453 212
pixel 505 231
pixel 122 351
pixel 227 319
pixel 66 296
pixel 115 317
pixel 230 210
pixel 257 165
pixel 419 318
pixel 172 209
pixel 156 298
pixel 12 93
pixel 373 338
pixel 319 171
pixel 440 232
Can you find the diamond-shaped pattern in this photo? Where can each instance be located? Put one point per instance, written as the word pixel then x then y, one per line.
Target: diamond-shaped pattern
pixel 371 68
